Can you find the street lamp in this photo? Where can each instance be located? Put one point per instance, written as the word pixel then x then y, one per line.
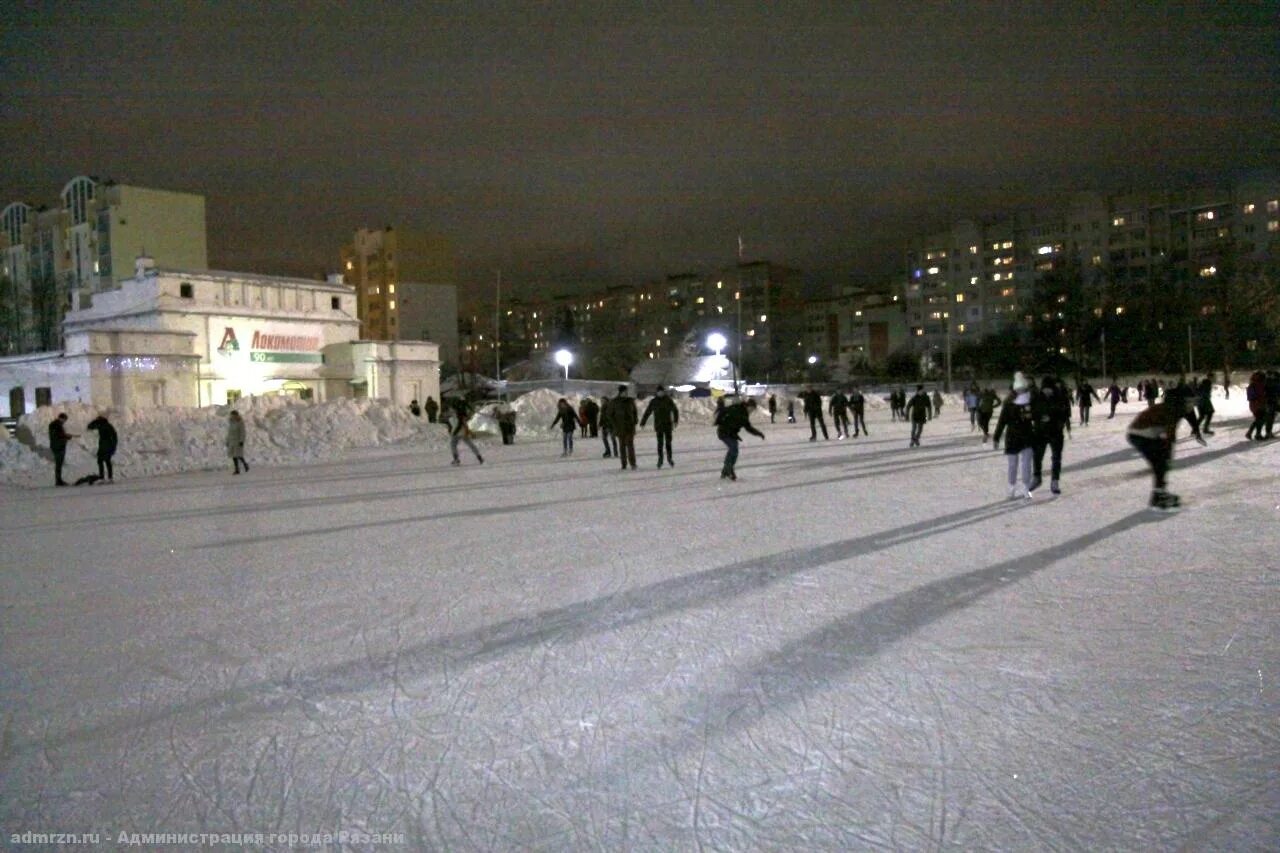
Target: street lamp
pixel 813 359
pixel 564 358
pixel 718 342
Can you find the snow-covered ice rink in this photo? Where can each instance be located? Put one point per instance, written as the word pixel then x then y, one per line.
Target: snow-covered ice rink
pixel 856 646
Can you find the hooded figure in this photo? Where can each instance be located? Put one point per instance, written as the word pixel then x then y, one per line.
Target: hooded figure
pixel 107 443
pixel 1017 426
pixel 235 441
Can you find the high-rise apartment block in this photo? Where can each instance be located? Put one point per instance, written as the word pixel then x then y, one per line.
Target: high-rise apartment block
pixel 406 287
pixel 56 258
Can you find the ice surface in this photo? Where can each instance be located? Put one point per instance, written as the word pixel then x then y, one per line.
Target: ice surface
pixel 857 645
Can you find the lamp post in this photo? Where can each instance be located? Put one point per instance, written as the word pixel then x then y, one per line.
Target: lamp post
pixel 497 329
pixel 564 358
pixel 717 342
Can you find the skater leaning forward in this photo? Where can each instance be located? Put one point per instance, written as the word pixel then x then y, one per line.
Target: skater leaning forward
pixel 1152 433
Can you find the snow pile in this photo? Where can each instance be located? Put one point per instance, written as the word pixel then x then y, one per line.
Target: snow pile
pixel 278 430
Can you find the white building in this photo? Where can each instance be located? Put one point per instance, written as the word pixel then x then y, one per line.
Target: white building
pixel 193 338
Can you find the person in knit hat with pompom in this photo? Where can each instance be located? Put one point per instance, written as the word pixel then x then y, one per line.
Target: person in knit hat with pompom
pixel 1017 426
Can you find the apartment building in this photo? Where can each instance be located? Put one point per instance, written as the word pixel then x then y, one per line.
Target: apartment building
pixel 54 259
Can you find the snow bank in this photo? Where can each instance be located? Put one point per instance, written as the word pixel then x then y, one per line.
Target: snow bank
pixel 279 430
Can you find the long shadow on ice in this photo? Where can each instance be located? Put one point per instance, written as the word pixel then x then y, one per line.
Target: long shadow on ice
pixel 713 586
pixel 810 663
pixel 1180 460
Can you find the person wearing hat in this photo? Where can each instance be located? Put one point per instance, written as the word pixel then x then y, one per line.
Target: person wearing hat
pixel 729 421
pixel 108 441
pixel 918 410
pixel 625 417
pixel 1051 411
pixel 665 418
pixel 1017 426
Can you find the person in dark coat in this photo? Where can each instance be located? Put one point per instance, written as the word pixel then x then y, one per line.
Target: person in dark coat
pixel 665 419
pixel 606 428
pixel 1151 392
pixel 568 421
pixel 1273 401
pixel 729 422
pixel 838 408
pixel 593 417
pixel 858 406
pixel 1204 404
pixel 625 418
pixel 235 441
pixel 1017 426
pixel 1085 396
pixel 1152 434
pixel 1114 395
pixel 432 408
pixel 1256 393
pixel 582 416
pixel 937 402
pixel 987 403
pixel 58 439
pixel 773 407
pixel 108 440
pixel 918 410
pixel 1051 416
pixel 415 409
pixel 506 417
pixel 791 411
pixel 813 409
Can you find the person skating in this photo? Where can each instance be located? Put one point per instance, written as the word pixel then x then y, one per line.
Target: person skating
pixel 1152 434
pixel 606 428
pixel 937 402
pixel 1273 401
pixel 108 440
pixel 459 430
pixel 1085 396
pixel 568 421
pixel 791 411
pixel 812 401
pixel 773 407
pixel 593 417
pixel 58 439
pixel 1204 403
pixel 918 410
pixel 838 408
pixel 971 395
pixel 729 422
pixel 1182 397
pixel 665 419
pixel 625 418
pixel 1151 392
pixel 1051 421
pixel 235 441
pixel 898 404
pixel 1114 395
pixel 432 408
pixel 1016 425
pixel 506 417
pixel 858 405
pixel 582 416
pixel 987 403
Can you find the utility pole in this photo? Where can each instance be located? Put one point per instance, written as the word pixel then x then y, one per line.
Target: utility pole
pixel 497 331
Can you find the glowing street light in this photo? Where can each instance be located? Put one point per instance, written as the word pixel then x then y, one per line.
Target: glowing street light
pixel 564 358
pixel 717 342
pixel 813 359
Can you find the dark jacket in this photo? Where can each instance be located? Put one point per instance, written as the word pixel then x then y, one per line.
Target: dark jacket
pixel 1016 423
pixel 622 411
pixel 857 402
pixel 812 402
pixel 987 401
pixel 1051 411
pixel 838 404
pixel 461 413
pixel 58 437
pixel 664 411
pixel 732 419
pixel 107 438
pixel 566 418
pixel 920 407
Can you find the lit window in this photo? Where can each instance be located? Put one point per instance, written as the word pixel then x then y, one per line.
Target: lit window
pixel 751 333
pixel 1273 206
pixel 719 309
pixel 919 332
pixel 1204 216
pixel 1249 208
pixel 665 330
pixel 959 297
pixel 719 284
pixel 973 250
pixel 1008 291
pixel 973 279
pixel 1007 244
pixel 933 270
pixel 1119 310
pixel 998 277
pixel 960 328
pixel 1118 221
pixel 1208 272
pixel 1097 260
pixel 391 288
pixel 937 315
pixel 350 265
pixel 1044 250
pixel 699 300
pixel 658 342
pixel 1273 225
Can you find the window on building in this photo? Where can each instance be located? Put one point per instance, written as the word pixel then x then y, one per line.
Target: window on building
pixel 186 290
pixel 1117 221
pixel 1273 225
pixel 335 302
pixel 1204 216
pixel 1250 208
pixel 1273 205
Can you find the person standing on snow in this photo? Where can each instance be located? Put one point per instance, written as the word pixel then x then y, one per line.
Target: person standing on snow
pixel 858 405
pixel 971 404
pixel 665 419
pixel 813 410
pixel 918 410
pixel 568 425
pixel 838 408
pixel 729 421
pixel 937 402
pixel 235 441
pixel 773 407
pixel 625 418
pixel 1017 427
pixel 58 439
pixel 606 428
pixel 1085 395
pixel 1114 395
pixel 108 440
pixel 415 409
pixel 593 417
pixel 1051 416
pixel 1204 404
pixel 987 403
pixel 1152 434
pixel 431 408
pixel 459 431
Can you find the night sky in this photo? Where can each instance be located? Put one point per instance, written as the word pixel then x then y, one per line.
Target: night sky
pixel 605 143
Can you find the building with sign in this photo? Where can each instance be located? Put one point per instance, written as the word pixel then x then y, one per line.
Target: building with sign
pixel 193 338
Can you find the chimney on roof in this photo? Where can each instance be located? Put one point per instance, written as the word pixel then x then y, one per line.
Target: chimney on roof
pixel 144 264
pixel 334 278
